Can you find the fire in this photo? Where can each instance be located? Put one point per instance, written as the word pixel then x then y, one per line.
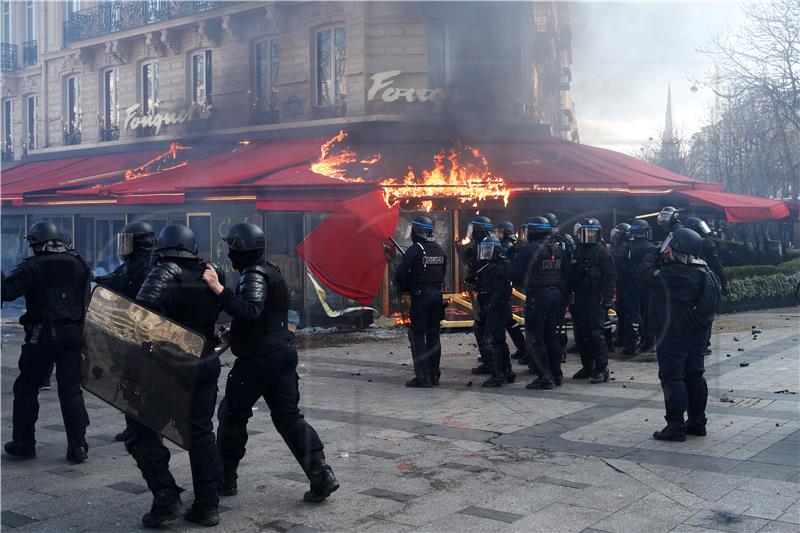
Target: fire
pixel 460 172
pixel 166 161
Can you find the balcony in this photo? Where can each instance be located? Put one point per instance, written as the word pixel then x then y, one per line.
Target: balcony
pixel 110 17
pixel 30 53
pixel 7 153
pixel 9 58
pixel 111 133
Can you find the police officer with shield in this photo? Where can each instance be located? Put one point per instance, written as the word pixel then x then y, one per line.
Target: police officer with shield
pixel 479 228
pixel 592 280
pixel 421 273
pixel 567 245
pixel 539 268
pixel 55 282
pixel 134 246
pixel 266 364
pixel 175 288
pixel 685 297
pixel 508 244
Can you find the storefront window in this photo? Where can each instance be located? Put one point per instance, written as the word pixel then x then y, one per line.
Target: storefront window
pixel 201 77
pixel 14 246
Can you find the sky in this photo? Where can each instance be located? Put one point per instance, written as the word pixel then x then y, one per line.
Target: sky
pixel 625 54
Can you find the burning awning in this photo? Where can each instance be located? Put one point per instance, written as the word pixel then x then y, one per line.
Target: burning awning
pixel 41 176
pixel 739 207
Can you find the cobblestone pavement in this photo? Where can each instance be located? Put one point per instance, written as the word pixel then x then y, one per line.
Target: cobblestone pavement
pixel 462 458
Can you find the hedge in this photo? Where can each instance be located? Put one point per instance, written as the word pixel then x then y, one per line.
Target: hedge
pixel 749 271
pixel 762 287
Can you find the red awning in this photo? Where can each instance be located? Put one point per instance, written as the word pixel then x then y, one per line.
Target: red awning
pixel 64 173
pixel 739 207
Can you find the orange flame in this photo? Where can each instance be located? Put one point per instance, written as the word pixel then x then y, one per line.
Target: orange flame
pixel 460 172
pixel 166 161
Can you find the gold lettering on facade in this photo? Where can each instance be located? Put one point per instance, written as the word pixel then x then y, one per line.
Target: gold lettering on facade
pixel 135 120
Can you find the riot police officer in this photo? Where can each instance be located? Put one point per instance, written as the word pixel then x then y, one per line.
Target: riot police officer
pixel 592 280
pixel 669 218
pixel 175 287
pixel 55 282
pixel 478 229
pixel 422 274
pixel 540 269
pixel 266 364
pixel 638 248
pixel 494 295
pixel 685 297
pixel 134 246
pixel 567 245
pixel 619 248
pixel 508 245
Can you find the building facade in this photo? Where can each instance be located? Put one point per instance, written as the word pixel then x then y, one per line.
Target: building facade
pixel 92 74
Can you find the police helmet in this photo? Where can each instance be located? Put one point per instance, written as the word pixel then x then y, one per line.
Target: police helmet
pixel 698 225
pixel 489 249
pixel 41 232
pixel 137 235
pixel 686 244
pixel 244 237
pixel 668 217
pixel 588 231
pixel 553 219
pixel 506 230
pixel 421 228
pixel 620 232
pixel 639 230
pixel 479 228
pixel 176 240
pixel 537 228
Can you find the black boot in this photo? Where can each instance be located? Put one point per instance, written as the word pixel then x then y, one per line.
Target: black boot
pixel 166 507
pixel 494 381
pixel 541 366
pixel 673 431
pixel 540 384
pixel 204 511
pixel 631 351
pixel 418 383
pixel 482 369
pixel 696 427
pixel 583 373
pixel 77 448
pixel 21 450
pixel 229 482
pixel 323 482
pixel 600 376
pixel 124 435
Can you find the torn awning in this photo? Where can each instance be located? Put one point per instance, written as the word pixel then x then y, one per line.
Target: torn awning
pixel 739 207
pixel 345 252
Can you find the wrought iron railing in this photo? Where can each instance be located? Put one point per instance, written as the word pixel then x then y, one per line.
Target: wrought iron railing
pixel 7 153
pixel 72 137
pixel 30 53
pixel 8 61
pixel 108 17
pixel 109 134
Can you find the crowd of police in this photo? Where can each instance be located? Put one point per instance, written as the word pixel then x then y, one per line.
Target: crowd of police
pixel 665 296
pixel 166 275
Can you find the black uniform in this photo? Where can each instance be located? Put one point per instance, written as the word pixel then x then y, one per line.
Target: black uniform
pixel 175 288
pixel 128 277
pixel 629 258
pixel 494 296
pixel 56 290
pixel 265 367
pixel 514 329
pixel 422 274
pixel 471 264
pixel 676 290
pixel 539 267
pixel 593 281
pixel 567 245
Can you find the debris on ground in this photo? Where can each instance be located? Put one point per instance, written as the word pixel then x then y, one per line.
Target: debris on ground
pixel 755 330
pixel 725 399
pixel 785 391
pixel 744 364
pixel 740 349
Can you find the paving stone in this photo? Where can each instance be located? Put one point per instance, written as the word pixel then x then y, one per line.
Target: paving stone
pixel 792 514
pixel 131 488
pixel 725 521
pixel 644 516
pixel 380 454
pixel 491 514
pixel 55 427
pixel 67 472
pixel 14 520
pixel 293 476
pixel 763 470
pixel 388 494
pixel 465 468
pixel 287 527
pixel 561 482
pixel 561 517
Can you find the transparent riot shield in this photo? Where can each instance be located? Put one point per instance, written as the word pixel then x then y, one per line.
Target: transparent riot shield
pixel 140 362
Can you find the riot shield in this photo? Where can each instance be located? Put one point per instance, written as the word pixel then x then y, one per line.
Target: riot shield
pixel 140 362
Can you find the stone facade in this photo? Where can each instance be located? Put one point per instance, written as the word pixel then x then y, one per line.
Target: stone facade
pixel 506 62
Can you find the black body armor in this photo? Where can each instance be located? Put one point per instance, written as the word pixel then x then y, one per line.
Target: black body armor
pixel 429 268
pixel 60 293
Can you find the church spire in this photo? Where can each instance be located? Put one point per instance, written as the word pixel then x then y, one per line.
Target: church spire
pixel 668 137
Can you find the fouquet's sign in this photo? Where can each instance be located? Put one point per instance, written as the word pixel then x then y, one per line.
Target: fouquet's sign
pixel 383 88
pixel 134 119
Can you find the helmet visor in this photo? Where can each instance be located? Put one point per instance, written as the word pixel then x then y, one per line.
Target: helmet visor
pixel 702 228
pixel 589 234
pixel 665 244
pixel 486 251
pixel 616 235
pixel 125 243
pixel 470 230
pixel 665 217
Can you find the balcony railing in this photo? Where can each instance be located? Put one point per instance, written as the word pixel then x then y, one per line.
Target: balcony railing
pixel 110 133
pixel 9 57
pixel 109 17
pixel 30 53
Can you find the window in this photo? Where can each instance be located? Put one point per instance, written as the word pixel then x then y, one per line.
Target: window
pixel 8 128
pixel 72 126
pixel 267 64
pixel 30 123
pixel 8 23
pixel 201 77
pixel 436 55
pixel 109 126
pixel 150 88
pixel 73 6
pixel 331 58
pixel 30 20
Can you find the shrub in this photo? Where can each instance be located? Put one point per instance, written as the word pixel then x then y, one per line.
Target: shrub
pixel 790 254
pixel 763 287
pixel 735 253
pixel 749 271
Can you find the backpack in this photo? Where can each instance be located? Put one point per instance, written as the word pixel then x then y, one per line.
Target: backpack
pixel 707 305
